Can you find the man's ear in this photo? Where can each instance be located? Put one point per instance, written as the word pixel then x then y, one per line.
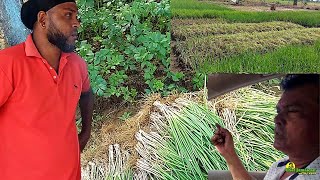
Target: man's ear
pixel 42 17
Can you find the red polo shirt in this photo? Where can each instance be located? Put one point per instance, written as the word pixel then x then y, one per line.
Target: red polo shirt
pixel 38 134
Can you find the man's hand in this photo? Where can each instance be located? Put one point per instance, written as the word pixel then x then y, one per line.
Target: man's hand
pixel 223 141
pixel 83 140
pixel 86 109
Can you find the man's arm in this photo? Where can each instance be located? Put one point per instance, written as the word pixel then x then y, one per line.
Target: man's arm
pixel 86 109
pixel 223 141
pixel 236 168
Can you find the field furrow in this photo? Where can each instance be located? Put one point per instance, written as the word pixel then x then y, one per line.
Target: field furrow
pixel 176 22
pixel 195 51
pixel 183 32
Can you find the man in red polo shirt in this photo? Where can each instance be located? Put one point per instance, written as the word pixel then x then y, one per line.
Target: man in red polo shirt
pixel 41 83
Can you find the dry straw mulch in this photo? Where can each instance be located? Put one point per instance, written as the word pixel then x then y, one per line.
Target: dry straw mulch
pixel 123 133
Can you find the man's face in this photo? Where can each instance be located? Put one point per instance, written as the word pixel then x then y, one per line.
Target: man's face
pixel 297 122
pixel 63 25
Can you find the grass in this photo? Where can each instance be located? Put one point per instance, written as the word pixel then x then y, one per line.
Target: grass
pixel 194 4
pixel 176 22
pixel 290 59
pixel 280 2
pixel 198 9
pixel 198 30
pixel 196 51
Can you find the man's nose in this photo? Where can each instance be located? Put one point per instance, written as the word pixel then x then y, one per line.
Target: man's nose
pixel 279 119
pixel 76 23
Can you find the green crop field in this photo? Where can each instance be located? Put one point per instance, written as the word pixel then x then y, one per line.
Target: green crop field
pixel 289 59
pixel 214 38
pixel 199 9
pixel 195 5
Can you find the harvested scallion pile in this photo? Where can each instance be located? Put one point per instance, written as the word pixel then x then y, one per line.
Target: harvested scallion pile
pixel 176 144
pixel 179 146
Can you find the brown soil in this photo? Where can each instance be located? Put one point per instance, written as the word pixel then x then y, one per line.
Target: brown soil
pixel 107 111
pixel 177 64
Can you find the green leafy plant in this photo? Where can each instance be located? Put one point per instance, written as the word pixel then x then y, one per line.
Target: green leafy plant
pixel 198 80
pixel 125 116
pixel 127 47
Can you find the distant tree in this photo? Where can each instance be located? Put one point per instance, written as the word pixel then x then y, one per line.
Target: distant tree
pixel 295 2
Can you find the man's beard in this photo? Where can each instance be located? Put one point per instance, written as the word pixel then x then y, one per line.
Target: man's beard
pixel 58 39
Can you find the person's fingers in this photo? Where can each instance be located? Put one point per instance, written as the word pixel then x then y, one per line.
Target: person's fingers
pixel 224 134
pixel 227 133
pixel 221 136
pixel 228 138
pixel 217 139
pixel 214 139
pixel 219 128
pixel 220 140
pixel 223 130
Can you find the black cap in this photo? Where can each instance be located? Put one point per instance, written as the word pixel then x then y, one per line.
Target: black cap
pixel 31 8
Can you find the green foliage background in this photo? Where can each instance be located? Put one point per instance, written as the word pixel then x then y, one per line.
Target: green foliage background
pixel 127 47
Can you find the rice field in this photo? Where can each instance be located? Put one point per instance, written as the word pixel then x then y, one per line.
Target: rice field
pixel 244 42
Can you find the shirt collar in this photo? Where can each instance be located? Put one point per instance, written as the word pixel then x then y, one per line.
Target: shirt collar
pixel 30 48
pixel 32 51
pixel 283 163
pixel 314 163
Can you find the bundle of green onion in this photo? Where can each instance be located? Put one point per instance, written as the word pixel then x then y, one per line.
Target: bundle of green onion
pixel 179 146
